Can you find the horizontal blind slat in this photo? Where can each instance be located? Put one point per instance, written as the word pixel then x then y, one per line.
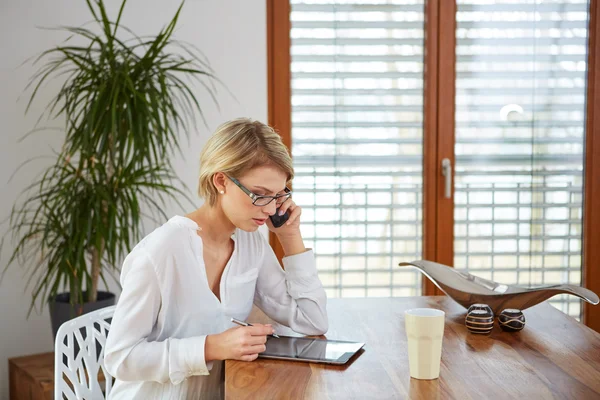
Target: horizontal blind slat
pixel 495 91
pixel 504 25
pixel 563 7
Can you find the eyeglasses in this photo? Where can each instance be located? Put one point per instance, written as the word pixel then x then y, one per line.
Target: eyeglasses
pixel 261 201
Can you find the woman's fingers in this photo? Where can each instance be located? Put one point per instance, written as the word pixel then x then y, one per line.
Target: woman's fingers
pixel 285 206
pixel 256 340
pixel 259 348
pixel 296 211
pixel 260 330
pixel 249 357
pixel 251 352
pixel 292 208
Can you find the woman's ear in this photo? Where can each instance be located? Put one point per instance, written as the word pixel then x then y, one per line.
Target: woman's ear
pixel 219 180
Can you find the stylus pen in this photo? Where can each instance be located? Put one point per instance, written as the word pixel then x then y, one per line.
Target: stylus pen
pixel 242 323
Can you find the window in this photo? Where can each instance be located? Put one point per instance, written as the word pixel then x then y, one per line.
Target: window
pixel 517 79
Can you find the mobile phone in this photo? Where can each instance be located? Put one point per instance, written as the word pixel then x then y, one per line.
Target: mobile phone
pixel 278 220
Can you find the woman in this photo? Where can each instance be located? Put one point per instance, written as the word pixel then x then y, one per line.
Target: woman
pixel 184 282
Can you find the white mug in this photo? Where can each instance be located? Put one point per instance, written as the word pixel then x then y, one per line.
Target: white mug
pixel 425 331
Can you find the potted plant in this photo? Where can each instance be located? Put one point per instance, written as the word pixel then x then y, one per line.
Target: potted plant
pixel 124 103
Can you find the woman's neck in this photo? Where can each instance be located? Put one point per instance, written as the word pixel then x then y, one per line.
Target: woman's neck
pixel 215 227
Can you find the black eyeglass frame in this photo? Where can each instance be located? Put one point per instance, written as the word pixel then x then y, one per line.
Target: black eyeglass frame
pixel 255 197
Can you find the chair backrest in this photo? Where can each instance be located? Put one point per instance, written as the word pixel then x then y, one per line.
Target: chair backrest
pixel 79 356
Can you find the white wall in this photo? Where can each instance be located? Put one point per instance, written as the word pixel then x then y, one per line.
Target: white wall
pixel 232 34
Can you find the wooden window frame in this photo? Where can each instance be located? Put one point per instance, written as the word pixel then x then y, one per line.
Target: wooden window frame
pixel 438 134
pixel 430 139
pixel 279 81
pixel 591 199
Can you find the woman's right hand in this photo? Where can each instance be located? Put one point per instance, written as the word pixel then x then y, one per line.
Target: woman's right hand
pixel 240 343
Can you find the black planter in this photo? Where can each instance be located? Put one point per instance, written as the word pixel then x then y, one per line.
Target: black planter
pixel 61 309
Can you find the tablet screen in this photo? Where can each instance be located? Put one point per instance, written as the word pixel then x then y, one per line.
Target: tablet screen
pixel 310 349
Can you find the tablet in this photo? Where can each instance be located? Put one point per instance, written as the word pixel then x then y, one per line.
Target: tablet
pixel 310 350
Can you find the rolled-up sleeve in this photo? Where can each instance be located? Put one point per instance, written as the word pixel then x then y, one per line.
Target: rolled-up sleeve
pixel 294 297
pixel 129 354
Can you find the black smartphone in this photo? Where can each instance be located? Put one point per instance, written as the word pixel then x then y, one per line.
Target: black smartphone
pixel 278 220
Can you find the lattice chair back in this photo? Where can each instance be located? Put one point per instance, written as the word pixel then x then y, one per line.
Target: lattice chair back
pixel 79 357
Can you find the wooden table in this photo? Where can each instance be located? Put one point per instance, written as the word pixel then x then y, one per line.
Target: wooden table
pixel 553 357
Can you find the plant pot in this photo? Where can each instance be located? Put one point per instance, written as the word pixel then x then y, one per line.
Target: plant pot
pixel 61 309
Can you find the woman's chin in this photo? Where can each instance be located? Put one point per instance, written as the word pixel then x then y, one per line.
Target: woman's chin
pixel 248 226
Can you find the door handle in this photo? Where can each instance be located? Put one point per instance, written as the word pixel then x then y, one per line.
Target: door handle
pixel 447 173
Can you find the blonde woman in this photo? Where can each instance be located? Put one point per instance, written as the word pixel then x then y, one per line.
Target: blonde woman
pixel 184 282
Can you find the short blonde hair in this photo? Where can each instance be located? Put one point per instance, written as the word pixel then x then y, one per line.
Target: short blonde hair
pixel 238 146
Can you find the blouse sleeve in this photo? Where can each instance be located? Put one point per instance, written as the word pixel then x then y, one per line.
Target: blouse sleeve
pixel 294 297
pixel 129 354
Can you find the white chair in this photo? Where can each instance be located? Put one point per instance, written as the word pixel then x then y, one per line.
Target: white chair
pixel 79 356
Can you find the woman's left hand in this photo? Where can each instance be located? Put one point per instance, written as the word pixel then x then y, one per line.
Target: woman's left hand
pixel 289 233
pixel 292 225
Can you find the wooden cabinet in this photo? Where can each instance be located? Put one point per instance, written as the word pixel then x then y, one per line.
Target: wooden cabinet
pixel 32 377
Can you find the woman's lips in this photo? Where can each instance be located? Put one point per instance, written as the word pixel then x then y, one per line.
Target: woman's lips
pixel 259 221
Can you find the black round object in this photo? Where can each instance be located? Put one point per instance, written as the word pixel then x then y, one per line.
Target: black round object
pixel 480 321
pixel 480 306
pixel 511 320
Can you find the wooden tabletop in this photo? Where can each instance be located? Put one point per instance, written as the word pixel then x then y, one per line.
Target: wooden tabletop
pixel 553 357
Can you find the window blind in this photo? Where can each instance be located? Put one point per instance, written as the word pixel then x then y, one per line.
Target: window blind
pixel 357 128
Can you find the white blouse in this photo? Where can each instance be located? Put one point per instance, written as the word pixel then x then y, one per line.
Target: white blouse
pixel 155 347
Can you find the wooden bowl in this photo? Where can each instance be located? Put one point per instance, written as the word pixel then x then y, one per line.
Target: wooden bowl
pixel 467 289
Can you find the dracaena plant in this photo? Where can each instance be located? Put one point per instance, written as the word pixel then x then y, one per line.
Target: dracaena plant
pixel 124 102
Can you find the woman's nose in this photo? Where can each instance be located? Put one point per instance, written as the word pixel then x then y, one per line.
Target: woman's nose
pixel 270 208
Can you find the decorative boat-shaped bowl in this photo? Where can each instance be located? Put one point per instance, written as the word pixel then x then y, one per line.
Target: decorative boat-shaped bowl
pixel 467 289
